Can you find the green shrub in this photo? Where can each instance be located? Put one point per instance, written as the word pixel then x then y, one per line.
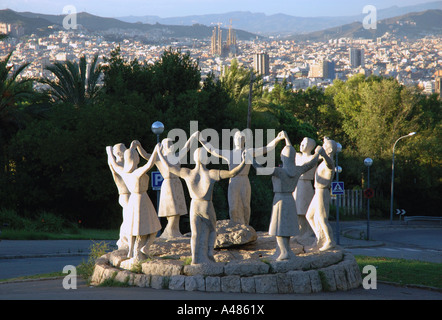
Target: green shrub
pixel 11 220
pixel 49 222
pixel 86 268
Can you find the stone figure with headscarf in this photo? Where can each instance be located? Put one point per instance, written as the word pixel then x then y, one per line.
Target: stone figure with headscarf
pixel 304 191
pixel 172 201
pixel 200 183
pixel 318 211
pixel 284 220
pixel 141 222
pixel 239 190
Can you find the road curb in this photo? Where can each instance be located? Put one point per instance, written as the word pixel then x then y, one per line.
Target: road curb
pixel 46 255
pixel 29 280
pixel 415 286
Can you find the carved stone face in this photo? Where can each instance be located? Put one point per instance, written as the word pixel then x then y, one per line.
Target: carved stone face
pixel 307 145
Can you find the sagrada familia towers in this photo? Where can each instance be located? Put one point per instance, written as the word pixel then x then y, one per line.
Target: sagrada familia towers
pixel 218 48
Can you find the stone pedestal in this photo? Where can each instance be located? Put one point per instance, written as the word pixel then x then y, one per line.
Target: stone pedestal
pixel 250 268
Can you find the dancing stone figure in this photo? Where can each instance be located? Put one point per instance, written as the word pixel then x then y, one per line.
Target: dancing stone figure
pixel 239 190
pixel 304 191
pixel 284 220
pixel 123 194
pixel 172 201
pixel 200 182
pixel 318 211
pixel 143 223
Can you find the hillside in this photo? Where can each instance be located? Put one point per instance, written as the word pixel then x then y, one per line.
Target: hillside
pixel 38 23
pixel 411 25
pixel 278 24
pixel 30 24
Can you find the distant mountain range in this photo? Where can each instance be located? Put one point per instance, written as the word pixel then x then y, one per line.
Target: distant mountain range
pixel 411 25
pixel 38 23
pixel 278 24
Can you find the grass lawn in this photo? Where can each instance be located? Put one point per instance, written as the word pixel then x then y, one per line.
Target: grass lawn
pixel 404 272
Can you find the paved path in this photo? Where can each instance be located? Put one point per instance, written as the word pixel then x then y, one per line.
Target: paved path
pixel 53 290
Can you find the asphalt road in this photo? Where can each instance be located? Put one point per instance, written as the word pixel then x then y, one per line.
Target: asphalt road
pixel 416 242
pixel 53 290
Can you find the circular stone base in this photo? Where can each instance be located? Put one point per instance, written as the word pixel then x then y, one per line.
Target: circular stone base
pixel 251 268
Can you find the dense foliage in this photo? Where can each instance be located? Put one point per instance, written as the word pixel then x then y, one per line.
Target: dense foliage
pixel 53 143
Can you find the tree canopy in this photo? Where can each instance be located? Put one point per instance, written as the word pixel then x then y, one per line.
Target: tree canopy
pixel 57 161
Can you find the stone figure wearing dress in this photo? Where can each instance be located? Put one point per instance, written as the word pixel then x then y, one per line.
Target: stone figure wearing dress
pixel 239 190
pixel 172 203
pixel 143 221
pixel 304 191
pixel 284 220
pixel 200 182
pixel 318 211
pixel 123 194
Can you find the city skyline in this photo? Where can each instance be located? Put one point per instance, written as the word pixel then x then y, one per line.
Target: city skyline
pixel 177 8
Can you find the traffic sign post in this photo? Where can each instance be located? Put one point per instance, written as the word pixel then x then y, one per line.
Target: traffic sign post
pixel 157 181
pixel 368 193
pixel 401 213
pixel 338 170
pixel 337 188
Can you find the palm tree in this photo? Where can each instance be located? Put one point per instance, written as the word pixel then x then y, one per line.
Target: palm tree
pixel 236 80
pixel 12 92
pixel 74 84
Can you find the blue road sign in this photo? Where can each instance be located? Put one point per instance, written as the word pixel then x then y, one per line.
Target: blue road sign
pixel 337 188
pixel 157 180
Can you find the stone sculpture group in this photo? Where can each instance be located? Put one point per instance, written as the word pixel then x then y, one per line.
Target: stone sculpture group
pixel 298 210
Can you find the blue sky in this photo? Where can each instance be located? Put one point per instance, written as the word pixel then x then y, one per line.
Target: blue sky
pixel 173 8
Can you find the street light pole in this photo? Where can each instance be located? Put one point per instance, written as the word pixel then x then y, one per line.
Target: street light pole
pixel 368 162
pixel 338 170
pixel 392 175
pixel 158 128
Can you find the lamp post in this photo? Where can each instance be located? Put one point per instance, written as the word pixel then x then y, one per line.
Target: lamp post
pixel 338 170
pixel 158 128
pixel 392 175
pixel 368 162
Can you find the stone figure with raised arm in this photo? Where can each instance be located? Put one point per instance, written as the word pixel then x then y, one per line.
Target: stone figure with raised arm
pixel 123 194
pixel 200 182
pixel 284 220
pixel 318 211
pixel 239 190
pixel 172 201
pixel 304 189
pixel 143 223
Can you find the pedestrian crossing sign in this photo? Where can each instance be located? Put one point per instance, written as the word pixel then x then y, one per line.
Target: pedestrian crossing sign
pixel 337 188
